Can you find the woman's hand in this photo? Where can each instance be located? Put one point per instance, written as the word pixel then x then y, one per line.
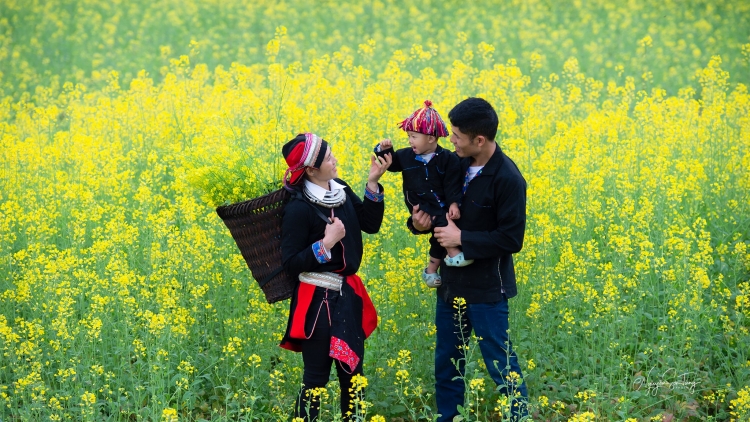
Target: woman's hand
pixel 334 232
pixel 378 166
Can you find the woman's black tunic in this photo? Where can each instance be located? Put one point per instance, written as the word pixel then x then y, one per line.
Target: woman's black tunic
pixel 353 316
pixel 302 227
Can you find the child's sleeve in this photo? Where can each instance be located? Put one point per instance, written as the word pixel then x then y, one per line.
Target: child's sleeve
pixel 452 179
pixel 396 164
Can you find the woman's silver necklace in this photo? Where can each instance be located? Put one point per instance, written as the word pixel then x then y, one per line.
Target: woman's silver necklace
pixel 330 200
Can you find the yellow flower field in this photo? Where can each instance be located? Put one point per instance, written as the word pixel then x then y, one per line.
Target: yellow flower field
pixel 123 125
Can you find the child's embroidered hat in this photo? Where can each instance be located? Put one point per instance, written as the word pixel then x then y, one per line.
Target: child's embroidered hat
pixel 305 150
pixel 425 120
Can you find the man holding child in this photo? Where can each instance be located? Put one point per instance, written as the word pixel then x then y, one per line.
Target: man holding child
pixel 490 230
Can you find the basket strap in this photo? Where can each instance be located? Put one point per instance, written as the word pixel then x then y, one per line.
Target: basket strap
pixel 276 272
pixel 317 211
pixel 270 276
pixel 320 214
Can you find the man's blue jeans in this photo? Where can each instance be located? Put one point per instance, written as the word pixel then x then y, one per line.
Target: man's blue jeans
pixel 490 323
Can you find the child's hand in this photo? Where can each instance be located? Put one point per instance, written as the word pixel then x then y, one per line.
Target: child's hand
pixel 453 212
pixel 385 144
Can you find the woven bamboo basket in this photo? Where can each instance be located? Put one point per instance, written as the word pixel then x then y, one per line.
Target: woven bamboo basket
pixel 255 226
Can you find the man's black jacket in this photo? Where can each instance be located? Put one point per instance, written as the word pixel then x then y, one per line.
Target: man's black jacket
pixel 492 223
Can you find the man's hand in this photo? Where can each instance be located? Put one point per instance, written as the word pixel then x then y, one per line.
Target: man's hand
pixel 421 220
pixel 448 236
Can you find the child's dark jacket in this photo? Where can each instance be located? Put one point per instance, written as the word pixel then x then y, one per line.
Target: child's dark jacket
pixel 433 185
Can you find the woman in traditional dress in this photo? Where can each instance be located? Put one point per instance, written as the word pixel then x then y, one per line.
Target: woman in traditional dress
pixel 330 313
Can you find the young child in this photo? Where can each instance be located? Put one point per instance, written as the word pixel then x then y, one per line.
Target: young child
pixel 431 179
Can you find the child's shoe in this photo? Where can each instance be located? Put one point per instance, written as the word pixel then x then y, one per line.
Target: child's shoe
pixel 458 260
pixel 432 280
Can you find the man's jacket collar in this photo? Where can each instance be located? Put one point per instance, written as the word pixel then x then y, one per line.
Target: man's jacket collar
pixel 492 166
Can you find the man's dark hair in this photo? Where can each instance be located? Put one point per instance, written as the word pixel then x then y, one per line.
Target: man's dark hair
pixel 474 117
